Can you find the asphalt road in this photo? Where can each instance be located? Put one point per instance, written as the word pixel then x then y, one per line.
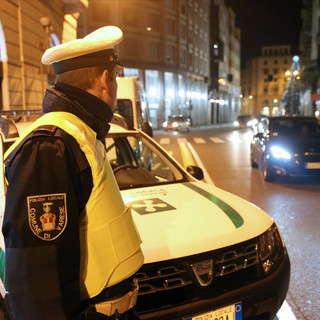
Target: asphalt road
pixel 293 203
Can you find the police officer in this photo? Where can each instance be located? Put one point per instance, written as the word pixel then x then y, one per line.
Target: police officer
pixel 71 243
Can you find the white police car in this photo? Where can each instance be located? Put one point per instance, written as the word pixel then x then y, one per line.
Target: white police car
pixel 208 254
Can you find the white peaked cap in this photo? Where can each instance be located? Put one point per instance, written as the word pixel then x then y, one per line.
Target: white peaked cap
pixel 94 49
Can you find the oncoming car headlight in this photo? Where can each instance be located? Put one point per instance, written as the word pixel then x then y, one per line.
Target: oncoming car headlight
pixel 271 249
pixel 278 152
pixel 175 124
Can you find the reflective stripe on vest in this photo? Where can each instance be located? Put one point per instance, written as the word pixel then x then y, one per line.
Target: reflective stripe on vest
pixel 110 243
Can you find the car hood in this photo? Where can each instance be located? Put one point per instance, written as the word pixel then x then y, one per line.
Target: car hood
pixel 297 145
pixel 184 219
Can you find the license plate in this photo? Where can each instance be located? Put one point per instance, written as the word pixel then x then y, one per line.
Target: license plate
pixel 232 312
pixel 313 165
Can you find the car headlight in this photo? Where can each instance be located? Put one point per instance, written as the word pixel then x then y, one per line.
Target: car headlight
pixel 165 124
pixel 271 249
pixel 250 123
pixel 175 124
pixel 236 123
pixel 278 153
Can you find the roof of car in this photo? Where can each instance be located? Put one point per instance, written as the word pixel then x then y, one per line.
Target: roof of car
pixel 292 117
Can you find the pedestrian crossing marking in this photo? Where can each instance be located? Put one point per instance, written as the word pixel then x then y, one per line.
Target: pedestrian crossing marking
pixel 199 140
pixel 165 141
pixel 182 140
pixel 234 139
pixel 216 140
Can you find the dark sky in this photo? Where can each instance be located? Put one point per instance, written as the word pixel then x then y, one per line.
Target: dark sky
pixel 267 22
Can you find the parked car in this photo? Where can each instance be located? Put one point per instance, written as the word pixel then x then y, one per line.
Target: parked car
pixel 287 145
pixel 244 121
pixel 208 253
pixel 178 123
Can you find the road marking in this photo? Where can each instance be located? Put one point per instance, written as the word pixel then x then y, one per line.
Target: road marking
pixel 182 140
pixel 285 312
pixel 216 140
pixel 199 140
pixel 200 164
pixel 234 139
pixel 164 141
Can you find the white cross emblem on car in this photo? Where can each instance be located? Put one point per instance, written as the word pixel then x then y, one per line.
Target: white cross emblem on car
pixel 151 206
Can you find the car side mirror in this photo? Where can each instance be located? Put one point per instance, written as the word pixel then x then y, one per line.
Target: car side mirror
pixel 147 128
pixel 196 172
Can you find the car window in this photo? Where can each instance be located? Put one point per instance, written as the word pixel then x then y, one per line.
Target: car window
pixel 124 108
pixel 139 115
pixel 136 162
pixel 296 127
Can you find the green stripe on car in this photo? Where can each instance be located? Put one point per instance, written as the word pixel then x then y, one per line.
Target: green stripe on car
pixel 233 215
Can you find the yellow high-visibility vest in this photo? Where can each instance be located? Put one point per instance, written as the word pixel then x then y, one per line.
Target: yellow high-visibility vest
pixel 110 243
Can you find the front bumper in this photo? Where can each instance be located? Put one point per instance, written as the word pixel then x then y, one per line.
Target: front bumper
pixel 284 169
pixel 260 300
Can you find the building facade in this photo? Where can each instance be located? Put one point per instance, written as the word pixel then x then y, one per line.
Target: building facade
pixel 27 29
pixel 225 69
pixel 166 44
pixel 264 79
pixel 310 58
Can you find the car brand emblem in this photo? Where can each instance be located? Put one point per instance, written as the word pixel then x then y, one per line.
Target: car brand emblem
pixel 203 271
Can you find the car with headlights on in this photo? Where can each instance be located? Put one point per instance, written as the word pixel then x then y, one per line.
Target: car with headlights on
pixel 286 146
pixel 177 123
pixel 244 121
pixel 208 253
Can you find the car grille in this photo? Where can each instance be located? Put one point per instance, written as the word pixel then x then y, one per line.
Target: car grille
pixel 173 282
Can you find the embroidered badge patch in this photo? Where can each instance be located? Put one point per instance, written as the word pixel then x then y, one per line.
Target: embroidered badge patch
pixel 47 215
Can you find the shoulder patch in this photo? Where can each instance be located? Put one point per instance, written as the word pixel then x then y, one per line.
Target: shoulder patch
pixel 47 215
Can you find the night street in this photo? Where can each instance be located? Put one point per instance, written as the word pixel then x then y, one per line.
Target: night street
pixel 292 202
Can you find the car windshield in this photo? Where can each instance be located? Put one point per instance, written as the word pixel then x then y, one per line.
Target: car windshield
pixel 295 127
pixel 136 162
pixel 245 118
pixel 178 119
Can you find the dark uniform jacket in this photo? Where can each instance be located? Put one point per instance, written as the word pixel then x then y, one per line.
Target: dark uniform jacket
pixel 43 276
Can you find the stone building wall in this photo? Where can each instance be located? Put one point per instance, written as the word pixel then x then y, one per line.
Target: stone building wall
pixel 23 39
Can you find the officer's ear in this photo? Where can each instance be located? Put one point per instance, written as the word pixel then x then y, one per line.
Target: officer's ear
pixel 104 79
